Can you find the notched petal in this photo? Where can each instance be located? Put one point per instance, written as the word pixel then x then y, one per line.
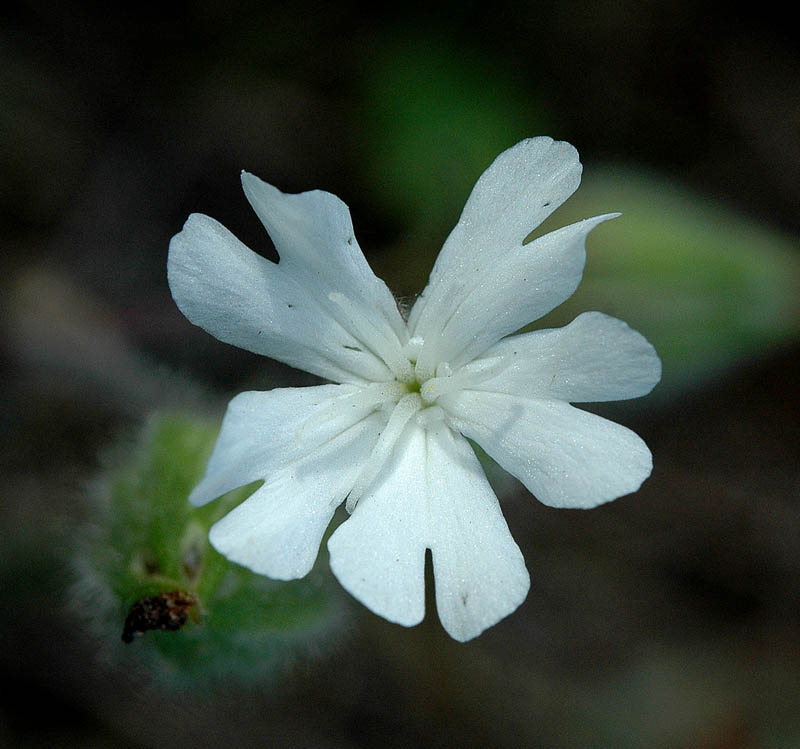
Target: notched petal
pixel 432 494
pixel 524 285
pixel 245 300
pixel 480 575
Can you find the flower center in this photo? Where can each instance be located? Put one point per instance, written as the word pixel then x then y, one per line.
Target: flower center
pixel 417 401
pixel 413 387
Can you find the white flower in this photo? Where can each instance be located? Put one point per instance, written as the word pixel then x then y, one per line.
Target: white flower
pixel 390 436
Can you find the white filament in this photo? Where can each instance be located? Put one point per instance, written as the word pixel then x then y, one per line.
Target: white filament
pixel 406 407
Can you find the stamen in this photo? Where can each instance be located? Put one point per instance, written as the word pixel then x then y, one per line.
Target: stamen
pixel 403 411
pixel 376 339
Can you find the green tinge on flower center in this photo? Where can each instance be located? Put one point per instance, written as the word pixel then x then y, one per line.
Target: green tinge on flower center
pixel 413 387
pixel 430 388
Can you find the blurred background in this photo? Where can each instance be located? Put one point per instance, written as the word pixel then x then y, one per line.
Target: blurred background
pixel 669 618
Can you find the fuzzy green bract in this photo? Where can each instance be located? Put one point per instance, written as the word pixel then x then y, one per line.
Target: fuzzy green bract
pixel 148 541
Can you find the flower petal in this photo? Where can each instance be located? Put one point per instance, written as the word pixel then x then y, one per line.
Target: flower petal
pixel 479 570
pixel 524 285
pixel 594 358
pixel 313 234
pixel 513 196
pixel 278 529
pixel 431 494
pixel 378 553
pixel 245 300
pixel 265 431
pixel 565 457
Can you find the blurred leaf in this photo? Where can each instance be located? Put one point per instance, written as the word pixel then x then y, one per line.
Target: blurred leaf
pixel 150 544
pixel 436 116
pixel 707 286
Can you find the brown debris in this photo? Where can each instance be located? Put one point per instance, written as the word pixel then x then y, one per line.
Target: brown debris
pixel 167 610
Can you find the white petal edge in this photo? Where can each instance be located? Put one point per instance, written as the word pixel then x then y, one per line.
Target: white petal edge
pixel 594 358
pixel 432 494
pixel 526 284
pixel 565 457
pixel 244 299
pixel 277 531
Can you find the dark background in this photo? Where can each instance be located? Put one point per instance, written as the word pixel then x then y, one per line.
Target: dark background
pixel 668 618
